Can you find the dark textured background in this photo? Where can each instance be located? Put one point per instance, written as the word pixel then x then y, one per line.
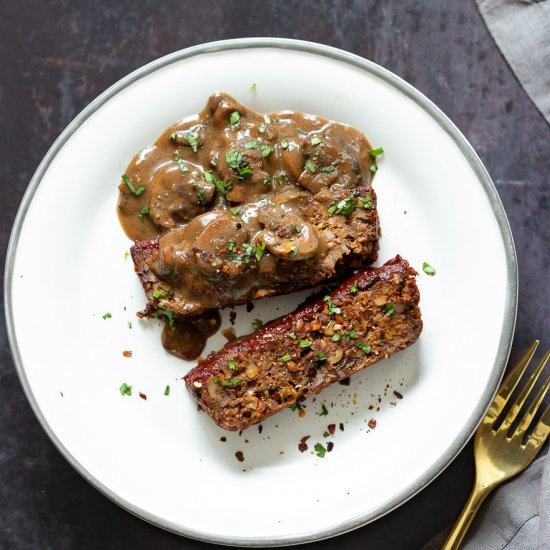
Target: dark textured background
pixel 55 57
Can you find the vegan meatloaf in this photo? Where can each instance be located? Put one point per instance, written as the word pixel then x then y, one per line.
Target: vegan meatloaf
pixel 369 317
pixel 231 205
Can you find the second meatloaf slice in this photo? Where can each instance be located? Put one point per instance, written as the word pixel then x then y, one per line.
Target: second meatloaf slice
pixel 369 317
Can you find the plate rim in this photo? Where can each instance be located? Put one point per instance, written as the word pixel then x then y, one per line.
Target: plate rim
pixel 509 318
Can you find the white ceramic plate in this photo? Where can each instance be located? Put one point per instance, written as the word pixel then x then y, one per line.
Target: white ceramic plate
pixel 160 458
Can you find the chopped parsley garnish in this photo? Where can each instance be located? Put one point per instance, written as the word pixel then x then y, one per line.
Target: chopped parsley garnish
pixel 277 119
pixel 232 364
pixel 320 451
pixel 362 346
pixel 428 269
pixel 366 202
pixel 257 324
pixel 250 251
pixel 267 180
pixel 354 289
pixel 251 144
pixel 192 139
pixel 129 325
pixel 336 336
pixel 262 128
pixel 376 152
pixel 345 206
pixel 310 166
pixel 107 316
pixel 389 309
pixel 286 358
pixel 125 389
pixel 324 410
pixel 349 334
pixel 237 211
pixel 182 165
pixel 331 308
pixel 159 293
pixel 292 335
pixel 201 199
pixel 167 390
pixel 328 169
pixel 317 141
pixel 296 407
pixel 144 212
pixel 222 186
pixel 266 150
pixel 373 167
pixel 227 383
pixel 321 356
pixel 325 434
pixel 172 276
pixel 284 143
pixel 253 87
pixel 294 252
pixel 235 161
pixel 234 118
pixel 305 343
pixel 137 192
pixel 165 315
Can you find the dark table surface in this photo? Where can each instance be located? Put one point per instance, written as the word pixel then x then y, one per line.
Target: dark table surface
pixel 57 56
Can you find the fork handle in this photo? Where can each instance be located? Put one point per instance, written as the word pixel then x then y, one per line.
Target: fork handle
pixel 477 496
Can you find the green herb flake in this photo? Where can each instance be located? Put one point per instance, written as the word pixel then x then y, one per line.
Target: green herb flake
pixel 354 289
pixel 107 316
pixel 321 356
pixel 284 143
pixel 259 251
pixel 167 390
pixel 145 211
pixel 305 343
pixel 137 192
pixel 373 167
pixel 325 434
pixel 389 309
pixel 331 308
pixel 296 407
pixel 237 211
pixel 310 166
pixel 182 165
pixel 234 118
pixel 366 202
pixel 292 335
pixel 324 410
pixel 234 160
pixel 129 325
pixel 253 87
pixel 232 364
pixel 336 336
pixel 294 252
pixel 192 138
pixel 375 152
pixel 344 207
pixel 164 315
pixel 125 389
pixel 160 293
pixel 201 199
pixel 320 451
pixel 277 119
pixel 428 269
pixel 228 383
pixel 364 347
pixel 222 186
pixel 251 144
pixel 328 169
pixel 317 141
pixel 349 334
pixel 266 150
pixel 257 324
pixel 61 393
pixel 262 128
pixel 267 180
pixel 286 358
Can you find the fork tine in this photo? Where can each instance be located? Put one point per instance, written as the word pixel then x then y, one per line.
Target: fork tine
pixel 522 397
pixel 542 429
pixel 534 407
pixel 510 383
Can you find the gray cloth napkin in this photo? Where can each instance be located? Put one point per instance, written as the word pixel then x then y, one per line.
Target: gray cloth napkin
pixel 521 29
pixel 515 517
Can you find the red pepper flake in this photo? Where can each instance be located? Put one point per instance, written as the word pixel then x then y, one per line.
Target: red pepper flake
pixel 372 423
pixel 143 396
pixel 397 394
pixel 303 445
pixel 330 446
pixel 240 456
pixel 127 353
pixel 331 428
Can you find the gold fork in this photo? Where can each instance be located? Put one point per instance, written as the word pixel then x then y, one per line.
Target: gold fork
pixel 501 453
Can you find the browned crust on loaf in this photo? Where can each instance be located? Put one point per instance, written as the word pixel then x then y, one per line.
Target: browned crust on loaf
pixel 267 384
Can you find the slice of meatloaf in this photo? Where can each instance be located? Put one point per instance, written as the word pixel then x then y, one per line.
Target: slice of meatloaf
pixel 369 317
